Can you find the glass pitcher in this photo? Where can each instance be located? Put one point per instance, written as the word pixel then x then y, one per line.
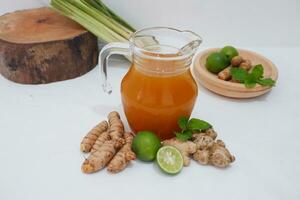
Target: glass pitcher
pixel 159 87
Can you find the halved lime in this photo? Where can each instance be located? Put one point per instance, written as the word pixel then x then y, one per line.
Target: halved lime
pixel 169 159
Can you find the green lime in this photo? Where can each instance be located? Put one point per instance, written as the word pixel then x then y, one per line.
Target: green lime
pixel 216 62
pixel 229 52
pixel 169 159
pixel 145 145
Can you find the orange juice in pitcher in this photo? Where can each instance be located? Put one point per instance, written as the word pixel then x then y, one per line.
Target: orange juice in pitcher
pixel 159 87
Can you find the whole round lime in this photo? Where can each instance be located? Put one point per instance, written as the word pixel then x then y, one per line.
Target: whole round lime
pixel 229 52
pixel 145 145
pixel 169 159
pixel 216 62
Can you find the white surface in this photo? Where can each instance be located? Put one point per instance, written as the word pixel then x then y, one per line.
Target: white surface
pixel 238 22
pixel 41 128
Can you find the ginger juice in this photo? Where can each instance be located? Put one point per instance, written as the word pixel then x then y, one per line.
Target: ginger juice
pixel 155 93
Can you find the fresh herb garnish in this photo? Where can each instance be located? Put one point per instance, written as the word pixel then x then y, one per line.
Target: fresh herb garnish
pixel 250 79
pixel 190 126
pixel 182 122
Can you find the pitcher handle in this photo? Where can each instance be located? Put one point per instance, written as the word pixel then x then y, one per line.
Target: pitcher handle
pixel 108 50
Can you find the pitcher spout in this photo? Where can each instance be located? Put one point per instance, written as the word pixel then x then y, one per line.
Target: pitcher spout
pixel 192 45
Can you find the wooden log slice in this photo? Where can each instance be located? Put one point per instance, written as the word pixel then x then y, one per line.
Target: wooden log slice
pixel 42 46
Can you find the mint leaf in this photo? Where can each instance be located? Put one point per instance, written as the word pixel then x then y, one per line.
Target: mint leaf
pixel 198 125
pixel 257 72
pixel 266 82
pixel 250 81
pixel 182 122
pixel 238 74
pixel 188 133
pixel 184 136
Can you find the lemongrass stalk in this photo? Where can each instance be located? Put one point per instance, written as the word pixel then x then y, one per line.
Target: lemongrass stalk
pixel 94 5
pixel 114 15
pixel 87 11
pixel 93 25
pixel 104 36
pixel 124 32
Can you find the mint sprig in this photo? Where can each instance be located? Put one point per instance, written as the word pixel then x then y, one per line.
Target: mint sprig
pixel 252 78
pixel 190 126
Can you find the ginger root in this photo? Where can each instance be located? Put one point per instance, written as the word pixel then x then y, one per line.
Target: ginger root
pixel 202 156
pixel 123 157
pixel 203 141
pixel 236 61
pixel 211 133
pixel 246 65
pixel 89 140
pixel 186 148
pixel 225 74
pixel 211 151
pixel 220 156
pixel 99 159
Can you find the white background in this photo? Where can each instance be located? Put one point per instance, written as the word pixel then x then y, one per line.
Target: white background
pixel 241 22
pixel 41 126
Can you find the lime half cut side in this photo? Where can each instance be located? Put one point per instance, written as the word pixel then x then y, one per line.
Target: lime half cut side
pixel 169 159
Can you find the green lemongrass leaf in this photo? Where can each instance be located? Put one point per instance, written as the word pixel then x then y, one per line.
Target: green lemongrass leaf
pixel 198 125
pixel 115 16
pixel 96 27
pixel 68 10
pixel 266 82
pixel 115 31
pixel 83 19
pixel 99 5
pixel 106 20
pixel 95 21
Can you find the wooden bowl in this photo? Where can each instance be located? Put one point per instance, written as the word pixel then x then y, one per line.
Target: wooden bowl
pixel 231 89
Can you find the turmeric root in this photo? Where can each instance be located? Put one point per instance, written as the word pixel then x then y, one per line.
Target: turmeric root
pixel 116 127
pixel 100 141
pixel 186 148
pixel 89 140
pixel 99 159
pixel 211 151
pixel 123 157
